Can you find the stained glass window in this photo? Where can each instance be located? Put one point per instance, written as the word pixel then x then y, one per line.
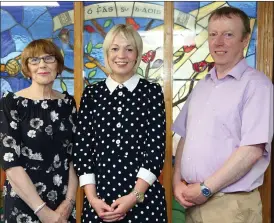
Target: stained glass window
pixel 22 24
pixel 146 18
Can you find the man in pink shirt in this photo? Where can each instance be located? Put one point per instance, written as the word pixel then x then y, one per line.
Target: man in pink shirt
pixel 226 129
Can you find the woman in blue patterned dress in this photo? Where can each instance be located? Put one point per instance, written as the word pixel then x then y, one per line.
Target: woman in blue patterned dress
pixel 36 138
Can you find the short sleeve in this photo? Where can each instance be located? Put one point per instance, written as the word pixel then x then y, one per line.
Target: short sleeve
pixel 154 156
pixel 10 138
pixel 257 115
pixel 180 123
pixel 83 155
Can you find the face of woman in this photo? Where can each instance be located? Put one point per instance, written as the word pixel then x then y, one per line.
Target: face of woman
pixel 122 56
pixel 43 69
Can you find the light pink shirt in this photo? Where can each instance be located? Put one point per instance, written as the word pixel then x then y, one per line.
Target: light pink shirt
pixel 221 115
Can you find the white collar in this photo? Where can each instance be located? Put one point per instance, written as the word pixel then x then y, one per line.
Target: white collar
pixel 130 84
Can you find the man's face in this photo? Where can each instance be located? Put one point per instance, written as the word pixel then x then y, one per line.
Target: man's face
pixel 226 42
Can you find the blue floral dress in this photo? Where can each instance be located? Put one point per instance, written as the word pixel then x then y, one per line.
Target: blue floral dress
pixel 38 136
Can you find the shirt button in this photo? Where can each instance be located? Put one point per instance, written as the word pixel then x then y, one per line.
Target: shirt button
pixel 118 125
pixel 118 141
pixel 120 93
pixel 120 86
pixel 119 109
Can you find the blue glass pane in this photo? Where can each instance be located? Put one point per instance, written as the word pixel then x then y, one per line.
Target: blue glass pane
pixel 4 86
pixel 250 8
pixel 18 83
pixel 31 14
pixel 95 2
pixel 7 21
pixel 64 7
pixel 15 12
pixel 7 44
pixel 251 60
pixel 43 27
pixel 186 6
pixel 20 36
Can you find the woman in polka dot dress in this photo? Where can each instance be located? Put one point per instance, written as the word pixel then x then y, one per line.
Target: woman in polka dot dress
pixel 120 139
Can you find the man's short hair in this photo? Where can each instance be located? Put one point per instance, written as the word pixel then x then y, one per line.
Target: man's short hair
pixel 232 11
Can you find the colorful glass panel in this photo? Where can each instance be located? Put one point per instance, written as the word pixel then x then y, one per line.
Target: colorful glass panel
pixel 22 24
pixel 146 18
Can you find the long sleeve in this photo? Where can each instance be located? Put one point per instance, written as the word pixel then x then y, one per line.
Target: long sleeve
pixel 153 158
pixel 83 156
pixel 10 138
pixel 73 120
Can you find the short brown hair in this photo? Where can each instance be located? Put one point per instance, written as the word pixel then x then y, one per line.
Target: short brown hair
pixel 131 35
pixel 38 47
pixel 232 11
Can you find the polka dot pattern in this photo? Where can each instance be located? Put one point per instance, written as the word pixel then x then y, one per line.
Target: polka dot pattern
pixel 118 133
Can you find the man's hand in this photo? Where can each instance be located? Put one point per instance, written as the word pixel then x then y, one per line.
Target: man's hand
pixel 179 190
pixel 193 194
pixel 64 209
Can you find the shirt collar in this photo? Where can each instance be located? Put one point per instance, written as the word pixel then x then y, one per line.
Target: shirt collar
pixel 130 84
pixel 236 72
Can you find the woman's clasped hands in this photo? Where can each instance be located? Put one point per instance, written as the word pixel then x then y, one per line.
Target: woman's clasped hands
pixel 117 210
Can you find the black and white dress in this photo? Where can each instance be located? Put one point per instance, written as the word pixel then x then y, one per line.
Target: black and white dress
pixel 38 136
pixel 120 136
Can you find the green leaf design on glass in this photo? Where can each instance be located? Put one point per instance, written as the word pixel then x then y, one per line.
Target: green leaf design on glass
pixel 98 45
pixel 140 71
pixel 178 54
pixel 107 23
pixel 89 48
pixel 91 74
pixel 63 85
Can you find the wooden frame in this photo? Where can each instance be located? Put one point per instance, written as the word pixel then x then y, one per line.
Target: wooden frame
pixel 168 81
pixel 78 79
pixel 265 20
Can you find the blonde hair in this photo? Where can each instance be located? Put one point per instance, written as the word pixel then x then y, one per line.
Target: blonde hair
pixel 38 47
pixel 131 35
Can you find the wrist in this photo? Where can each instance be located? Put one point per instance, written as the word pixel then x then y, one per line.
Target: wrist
pixel 43 212
pixel 39 208
pixel 211 186
pixel 70 200
pixel 205 190
pixel 176 177
pixel 139 196
pixel 92 199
